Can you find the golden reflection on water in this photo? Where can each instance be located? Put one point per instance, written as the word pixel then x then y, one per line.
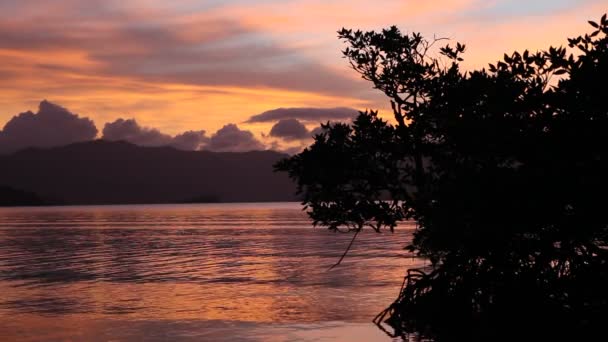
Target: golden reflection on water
pixel 142 271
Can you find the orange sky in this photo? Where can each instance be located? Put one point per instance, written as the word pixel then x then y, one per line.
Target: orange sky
pixel 198 65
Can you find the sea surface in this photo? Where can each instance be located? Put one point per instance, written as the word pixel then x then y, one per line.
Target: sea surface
pixel 195 272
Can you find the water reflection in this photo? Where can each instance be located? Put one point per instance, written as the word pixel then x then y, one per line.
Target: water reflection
pixel 257 264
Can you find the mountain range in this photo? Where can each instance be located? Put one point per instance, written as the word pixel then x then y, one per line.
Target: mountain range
pixel 103 172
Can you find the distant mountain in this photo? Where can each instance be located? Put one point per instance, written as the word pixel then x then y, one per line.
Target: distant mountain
pixel 102 172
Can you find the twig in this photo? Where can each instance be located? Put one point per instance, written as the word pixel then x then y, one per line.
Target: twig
pixel 347 249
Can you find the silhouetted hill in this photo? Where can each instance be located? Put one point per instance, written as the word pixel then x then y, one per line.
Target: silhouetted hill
pixel 101 172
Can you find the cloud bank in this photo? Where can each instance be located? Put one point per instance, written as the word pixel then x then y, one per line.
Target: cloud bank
pixel 229 138
pixel 54 125
pixel 129 130
pixel 51 126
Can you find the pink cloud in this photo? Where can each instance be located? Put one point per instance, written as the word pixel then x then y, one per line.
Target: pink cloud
pixel 109 56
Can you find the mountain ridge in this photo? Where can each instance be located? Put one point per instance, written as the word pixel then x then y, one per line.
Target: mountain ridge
pixel 104 172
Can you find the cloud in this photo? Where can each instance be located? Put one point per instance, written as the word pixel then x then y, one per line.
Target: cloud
pixel 290 148
pixel 292 136
pixel 305 114
pixel 129 130
pixel 293 150
pixel 230 138
pixel 289 129
pixel 104 57
pixel 190 140
pixel 164 46
pixel 52 126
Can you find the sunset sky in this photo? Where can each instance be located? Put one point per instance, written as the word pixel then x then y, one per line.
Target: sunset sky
pixel 198 65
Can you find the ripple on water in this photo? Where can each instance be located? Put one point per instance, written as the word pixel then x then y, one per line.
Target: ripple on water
pixel 260 265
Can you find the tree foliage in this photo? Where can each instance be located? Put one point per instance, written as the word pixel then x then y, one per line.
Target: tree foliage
pixel 504 170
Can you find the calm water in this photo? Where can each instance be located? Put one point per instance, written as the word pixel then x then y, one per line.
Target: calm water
pixel 205 272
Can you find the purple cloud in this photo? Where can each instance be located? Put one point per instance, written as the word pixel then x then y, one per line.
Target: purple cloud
pixel 289 129
pixel 129 130
pixel 52 126
pixel 190 140
pixel 167 47
pixel 305 114
pixel 230 138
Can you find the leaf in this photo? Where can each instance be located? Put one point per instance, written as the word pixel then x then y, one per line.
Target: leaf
pixel 593 23
pixel 560 72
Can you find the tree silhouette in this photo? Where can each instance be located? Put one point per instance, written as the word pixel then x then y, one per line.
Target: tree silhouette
pixel 504 171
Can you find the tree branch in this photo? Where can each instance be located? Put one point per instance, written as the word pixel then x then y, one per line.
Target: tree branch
pixel 346 251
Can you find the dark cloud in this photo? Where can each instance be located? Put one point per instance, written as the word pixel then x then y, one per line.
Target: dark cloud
pixel 170 48
pixel 230 138
pixel 52 126
pixel 305 114
pixel 190 140
pixel 289 129
pixel 129 130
